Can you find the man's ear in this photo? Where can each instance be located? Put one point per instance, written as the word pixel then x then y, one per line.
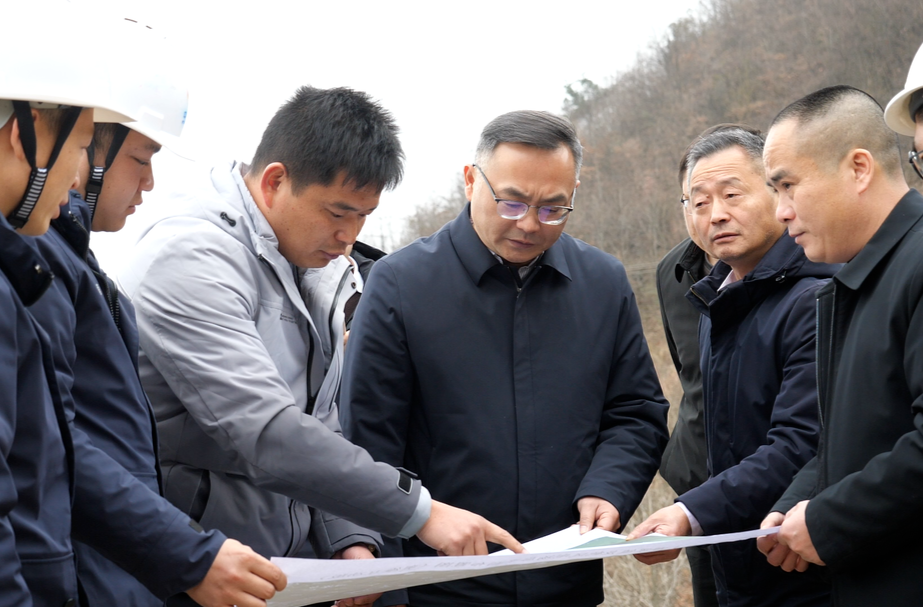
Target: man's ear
pixel 15 142
pixel 469 181
pixel 271 181
pixel 862 168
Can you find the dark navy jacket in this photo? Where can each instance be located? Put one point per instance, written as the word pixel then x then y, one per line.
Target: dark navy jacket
pixel 36 469
pixel 512 402
pixel 757 339
pixel 119 510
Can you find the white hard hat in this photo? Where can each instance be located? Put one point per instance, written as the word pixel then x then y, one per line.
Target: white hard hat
pixel 897 114
pixel 149 81
pixel 50 67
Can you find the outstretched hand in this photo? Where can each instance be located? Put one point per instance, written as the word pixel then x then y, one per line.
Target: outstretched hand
pixel 455 532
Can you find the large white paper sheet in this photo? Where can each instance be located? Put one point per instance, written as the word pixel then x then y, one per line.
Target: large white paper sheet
pixel 313 580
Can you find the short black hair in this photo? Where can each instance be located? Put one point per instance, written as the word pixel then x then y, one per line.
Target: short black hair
pixel 319 134
pixel 543 130
pixel 103 135
pixel 837 119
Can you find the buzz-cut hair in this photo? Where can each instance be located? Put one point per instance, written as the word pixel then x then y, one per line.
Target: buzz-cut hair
pixel 719 140
pixel 542 130
pixel 838 119
pixel 321 134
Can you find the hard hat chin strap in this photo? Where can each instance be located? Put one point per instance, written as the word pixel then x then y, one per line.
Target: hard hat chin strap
pixel 95 179
pixel 20 215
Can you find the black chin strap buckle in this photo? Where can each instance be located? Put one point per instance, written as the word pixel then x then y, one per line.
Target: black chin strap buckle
pixel 94 187
pixel 20 215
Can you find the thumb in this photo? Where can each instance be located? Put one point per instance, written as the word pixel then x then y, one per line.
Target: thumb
pixel 641 530
pixel 587 517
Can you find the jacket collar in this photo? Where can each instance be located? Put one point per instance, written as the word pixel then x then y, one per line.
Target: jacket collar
pixel 693 261
pixel 477 258
pixel 22 264
pixel 74 224
pixel 903 218
pixel 785 261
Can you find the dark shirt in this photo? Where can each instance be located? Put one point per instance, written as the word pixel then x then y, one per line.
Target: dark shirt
pixel 513 402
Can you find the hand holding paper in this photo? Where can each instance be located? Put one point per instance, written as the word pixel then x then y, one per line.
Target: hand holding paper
pixel 666 521
pixel 794 534
pixel 597 512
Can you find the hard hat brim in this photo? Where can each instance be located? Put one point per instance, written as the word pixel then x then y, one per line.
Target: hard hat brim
pixel 897 114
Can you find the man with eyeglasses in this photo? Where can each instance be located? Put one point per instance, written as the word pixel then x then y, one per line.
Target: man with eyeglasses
pixel 756 341
pixel 503 361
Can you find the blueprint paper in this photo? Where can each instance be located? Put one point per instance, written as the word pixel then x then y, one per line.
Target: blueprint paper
pixel 316 580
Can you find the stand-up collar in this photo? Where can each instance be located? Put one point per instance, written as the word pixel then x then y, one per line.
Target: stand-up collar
pixel 22 264
pixel 903 218
pixel 693 261
pixel 477 258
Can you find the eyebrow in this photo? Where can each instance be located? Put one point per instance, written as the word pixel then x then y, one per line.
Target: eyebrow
pixel 153 146
pixel 777 176
pixel 342 206
pixel 516 195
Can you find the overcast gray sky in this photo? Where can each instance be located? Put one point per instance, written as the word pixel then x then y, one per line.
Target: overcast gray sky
pixel 443 69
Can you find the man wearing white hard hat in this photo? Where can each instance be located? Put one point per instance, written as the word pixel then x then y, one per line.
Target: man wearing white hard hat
pixel 904 113
pixel 54 482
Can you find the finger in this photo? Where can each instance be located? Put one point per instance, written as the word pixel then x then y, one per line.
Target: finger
pixel 608 520
pixel 587 517
pixel 777 555
pixel 652 558
pixel 501 536
pixel 641 530
pixel 765 543
pixel 802 565
pixel 791 561
pixel 271 573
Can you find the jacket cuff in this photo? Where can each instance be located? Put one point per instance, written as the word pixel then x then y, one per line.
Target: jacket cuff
pixel 420 515
pixel 167 574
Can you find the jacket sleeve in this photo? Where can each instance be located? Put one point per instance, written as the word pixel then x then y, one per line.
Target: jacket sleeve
pixel 114 512
pixel 330 534
pixel 741 496
pixel 803 487
pixel 134 527
pixel 633 427
pixel 12 585
pixel 195 308
pixel 850 519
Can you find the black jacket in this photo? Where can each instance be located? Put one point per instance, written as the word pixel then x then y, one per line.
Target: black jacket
pixel 866 485
pixel 758 366
pixel 684 460
pixel 512 401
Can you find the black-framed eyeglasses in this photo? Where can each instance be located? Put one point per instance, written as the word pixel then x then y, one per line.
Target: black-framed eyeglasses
pixel 916 162
pixel 552 215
